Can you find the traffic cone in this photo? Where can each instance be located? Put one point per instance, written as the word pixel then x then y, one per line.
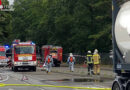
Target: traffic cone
pixel 24 78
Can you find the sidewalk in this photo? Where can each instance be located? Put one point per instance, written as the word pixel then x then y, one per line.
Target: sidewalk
pixel 106 72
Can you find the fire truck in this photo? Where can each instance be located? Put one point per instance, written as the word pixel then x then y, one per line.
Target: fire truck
pixel 23 55
pixel 3 58
pixel 55 51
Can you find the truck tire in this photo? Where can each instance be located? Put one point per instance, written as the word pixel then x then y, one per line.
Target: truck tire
pixel 116 86
pixel 12 68
pixel 128 86
pixel 55 64
pixel 34 69
pixel 15 69
pixel 58 64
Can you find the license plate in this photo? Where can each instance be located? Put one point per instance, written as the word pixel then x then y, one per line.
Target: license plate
pixel 25 62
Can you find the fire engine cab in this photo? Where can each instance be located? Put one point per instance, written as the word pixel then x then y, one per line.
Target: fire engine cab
pixel 23 55
pixel 55 51
pixel 3 58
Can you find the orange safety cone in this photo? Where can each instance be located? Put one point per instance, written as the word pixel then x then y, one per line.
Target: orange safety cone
pixel 24 78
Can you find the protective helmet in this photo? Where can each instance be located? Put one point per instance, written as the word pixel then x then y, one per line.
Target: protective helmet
pixel 89 51
pixel 71 54
pixel 95 51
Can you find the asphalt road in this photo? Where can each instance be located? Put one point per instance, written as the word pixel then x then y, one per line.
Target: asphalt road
pixel 42 78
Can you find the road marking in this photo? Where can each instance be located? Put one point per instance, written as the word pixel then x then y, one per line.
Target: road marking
pixel 88 88
pixel 10 89
pixel 77 89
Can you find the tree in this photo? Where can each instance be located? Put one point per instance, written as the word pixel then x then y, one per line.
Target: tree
pixel 5 25
pixel 77 25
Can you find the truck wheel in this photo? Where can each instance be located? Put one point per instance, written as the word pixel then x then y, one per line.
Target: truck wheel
pixel 15 69
pixel 128 86
pixel 12 68
pixel 34 69
pixel 58 65
pixel 116 86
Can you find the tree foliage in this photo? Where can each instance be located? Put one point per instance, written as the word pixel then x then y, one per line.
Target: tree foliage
pixel 5 25
pixel 76 25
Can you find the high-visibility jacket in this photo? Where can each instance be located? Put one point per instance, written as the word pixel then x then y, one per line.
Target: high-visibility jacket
pixel 49 60
pixel 89 59
pixel 71 59
pixel 96 58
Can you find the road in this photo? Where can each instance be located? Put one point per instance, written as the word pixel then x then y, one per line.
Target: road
pixel 54 78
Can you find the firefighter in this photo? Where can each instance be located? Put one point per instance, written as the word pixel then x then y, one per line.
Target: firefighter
pixel 96 61
pixel 48 63
pixel 89 63
pixel 71 60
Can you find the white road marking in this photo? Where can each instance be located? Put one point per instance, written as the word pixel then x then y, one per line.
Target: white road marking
pixel 42 89
pixel 10 89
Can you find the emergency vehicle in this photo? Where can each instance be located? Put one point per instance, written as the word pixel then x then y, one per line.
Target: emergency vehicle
pixel 55 51
pixel 3 58
pixel 23 55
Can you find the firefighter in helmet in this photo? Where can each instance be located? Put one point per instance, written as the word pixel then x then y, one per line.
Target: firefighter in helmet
pixel 89 62
pixel 48 63
pixel 96 61
pixel 71 60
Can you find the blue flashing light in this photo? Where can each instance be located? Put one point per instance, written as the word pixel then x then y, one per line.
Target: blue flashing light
pixel 6 46
pixel 32 43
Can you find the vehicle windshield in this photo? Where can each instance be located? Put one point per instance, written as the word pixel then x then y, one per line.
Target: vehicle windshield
pixel 24 49
pixel 2 53
pixel 53 51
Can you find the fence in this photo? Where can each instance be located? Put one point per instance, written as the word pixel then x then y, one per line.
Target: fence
pixel 105 58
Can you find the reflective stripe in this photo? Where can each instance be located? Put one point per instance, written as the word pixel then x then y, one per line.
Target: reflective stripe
pixel 89 59
pixel 89 55
pixel 96 55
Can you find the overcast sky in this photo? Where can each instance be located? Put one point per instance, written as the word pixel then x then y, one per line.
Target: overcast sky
pixel 11 1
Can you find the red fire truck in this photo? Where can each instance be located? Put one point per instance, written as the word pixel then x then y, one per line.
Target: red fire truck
pixel 55 51
pixel 3 58
pixel 23 55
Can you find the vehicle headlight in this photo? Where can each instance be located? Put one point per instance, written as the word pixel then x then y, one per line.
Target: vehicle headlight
pixel 35 62
pixel 15 63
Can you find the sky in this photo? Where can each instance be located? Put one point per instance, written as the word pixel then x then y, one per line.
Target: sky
pixel 11 2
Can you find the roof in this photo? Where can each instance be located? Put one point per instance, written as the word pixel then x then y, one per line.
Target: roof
pixel 50 46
